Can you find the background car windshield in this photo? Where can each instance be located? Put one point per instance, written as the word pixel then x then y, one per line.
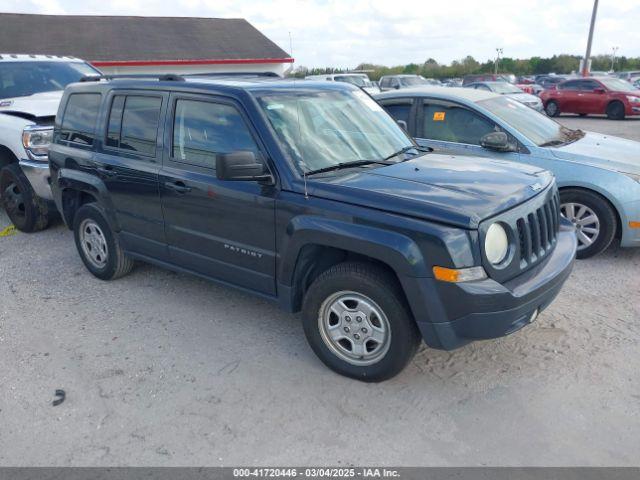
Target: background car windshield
pixel 353 79
pixel 617 84
pixel 411 81
pixel 320 129
pixel 537 127
pixel 20 79
pixel 504 87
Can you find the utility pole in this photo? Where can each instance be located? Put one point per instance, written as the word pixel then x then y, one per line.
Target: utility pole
pixel 585 64
pixel 613 58
pixel 497 62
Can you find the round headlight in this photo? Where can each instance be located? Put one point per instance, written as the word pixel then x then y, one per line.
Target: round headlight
pixel 496 244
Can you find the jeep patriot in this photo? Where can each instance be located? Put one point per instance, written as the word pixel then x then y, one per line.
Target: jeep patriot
pixel 310 195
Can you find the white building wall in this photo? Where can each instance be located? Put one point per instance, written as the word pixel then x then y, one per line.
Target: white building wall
pixel 278 68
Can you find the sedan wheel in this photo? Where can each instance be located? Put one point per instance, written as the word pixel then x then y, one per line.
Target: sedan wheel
pixel 586 222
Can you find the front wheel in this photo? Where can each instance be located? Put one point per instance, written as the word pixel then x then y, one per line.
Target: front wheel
pixel 615 111
pixel 357 322
pixel 98 245
pixel 25 209
pixel 593 217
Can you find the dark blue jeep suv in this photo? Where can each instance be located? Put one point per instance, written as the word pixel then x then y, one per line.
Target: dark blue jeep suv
pixel 310 195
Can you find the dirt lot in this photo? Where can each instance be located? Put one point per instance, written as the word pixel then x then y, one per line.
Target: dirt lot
pixel 166 369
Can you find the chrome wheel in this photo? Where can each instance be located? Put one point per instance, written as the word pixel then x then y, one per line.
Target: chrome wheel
pixel 585 220
pixel 354 328
pixel 94 243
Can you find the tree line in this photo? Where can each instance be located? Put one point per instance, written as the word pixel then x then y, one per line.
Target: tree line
pixel 431 68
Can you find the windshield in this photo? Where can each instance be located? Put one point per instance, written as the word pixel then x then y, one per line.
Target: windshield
pixel 616 84
pixel 411 81
pixel 504 88
pixel 320 129
pixel 356 80
pixel 537 127
pixel 20 79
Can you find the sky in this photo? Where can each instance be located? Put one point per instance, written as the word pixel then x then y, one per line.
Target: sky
pixel 344 33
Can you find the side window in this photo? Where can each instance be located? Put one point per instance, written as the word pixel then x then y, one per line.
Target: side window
pixel 400 110
pixel 133 123
pixel 79 119
pixel 454 124
pixel 589 85
pixel 395 82
pixel 384 82
pixel 571 85
pixel 201 130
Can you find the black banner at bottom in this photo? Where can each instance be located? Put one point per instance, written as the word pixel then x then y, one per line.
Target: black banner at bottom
pixel 321 473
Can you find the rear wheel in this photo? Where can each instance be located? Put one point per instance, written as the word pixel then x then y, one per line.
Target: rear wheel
pixel 615 111
pixel 25 209
pixel 98 246
pixel 357 322
pixel 593 217
pixel 552 108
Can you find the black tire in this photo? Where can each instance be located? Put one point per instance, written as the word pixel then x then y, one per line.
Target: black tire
pixel 552 108
pixel 604 212
pixel 615 110
pixel 28 212
pixel 116 262
pixel 382 288
pixel 582 114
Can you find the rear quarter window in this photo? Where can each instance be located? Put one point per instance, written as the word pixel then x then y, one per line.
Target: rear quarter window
pixel 79 119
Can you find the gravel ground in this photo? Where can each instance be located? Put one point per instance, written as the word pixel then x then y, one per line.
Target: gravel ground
pixel 166 369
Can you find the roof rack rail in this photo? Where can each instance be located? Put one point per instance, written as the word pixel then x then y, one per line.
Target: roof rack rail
pixel 164 77
pixel 234 74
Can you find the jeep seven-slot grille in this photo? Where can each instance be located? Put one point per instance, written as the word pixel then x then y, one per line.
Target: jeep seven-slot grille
pixel 538 231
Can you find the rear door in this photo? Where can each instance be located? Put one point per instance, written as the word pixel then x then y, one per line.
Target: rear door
pixel 128 163
pixel 449 127
pixel 592 97
pixel 222 229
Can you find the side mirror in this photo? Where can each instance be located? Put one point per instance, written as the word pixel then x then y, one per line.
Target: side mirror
pixel 397 86
pixel 241 166
pixel 403 125
pixel 498 141
pixel 599 90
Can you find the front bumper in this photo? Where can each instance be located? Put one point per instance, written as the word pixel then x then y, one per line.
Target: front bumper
pixel 39 176
pixel 461 313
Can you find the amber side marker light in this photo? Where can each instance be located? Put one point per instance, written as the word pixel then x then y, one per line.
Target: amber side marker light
pixel 456 275
pixel 634 224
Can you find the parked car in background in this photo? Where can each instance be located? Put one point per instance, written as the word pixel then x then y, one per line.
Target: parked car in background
pixel 486 77
pixel 598 175
pixel 452 82
pixel 531 88
pixel 358 79
pixel 285 192
pixel 512 91
pixel 636 84
pixel 396 82
pixel 593 95
pixel 30 91
pixel 549 81
pixel 630 76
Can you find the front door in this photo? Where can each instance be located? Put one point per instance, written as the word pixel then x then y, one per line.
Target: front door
pixel 221 229
pixel 448 127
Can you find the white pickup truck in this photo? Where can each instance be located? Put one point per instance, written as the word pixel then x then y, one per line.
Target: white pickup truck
pixel 30 91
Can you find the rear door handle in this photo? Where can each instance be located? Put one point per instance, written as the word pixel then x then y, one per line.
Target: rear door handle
pixel 107 171
pixel 177 187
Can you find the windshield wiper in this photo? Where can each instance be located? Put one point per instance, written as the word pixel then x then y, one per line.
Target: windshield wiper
pixel 343 165
pixel 406 149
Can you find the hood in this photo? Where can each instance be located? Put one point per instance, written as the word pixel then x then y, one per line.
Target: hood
pixel 604 151
pixel 455 190
pixel 37 105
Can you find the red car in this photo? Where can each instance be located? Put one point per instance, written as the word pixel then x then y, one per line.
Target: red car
pixel 592 95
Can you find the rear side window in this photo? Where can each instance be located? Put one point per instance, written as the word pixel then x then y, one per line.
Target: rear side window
pixel 79 119
pixel 133 123
pixel 202 130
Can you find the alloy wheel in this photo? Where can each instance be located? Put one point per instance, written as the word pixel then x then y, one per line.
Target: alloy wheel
pixel 585 220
